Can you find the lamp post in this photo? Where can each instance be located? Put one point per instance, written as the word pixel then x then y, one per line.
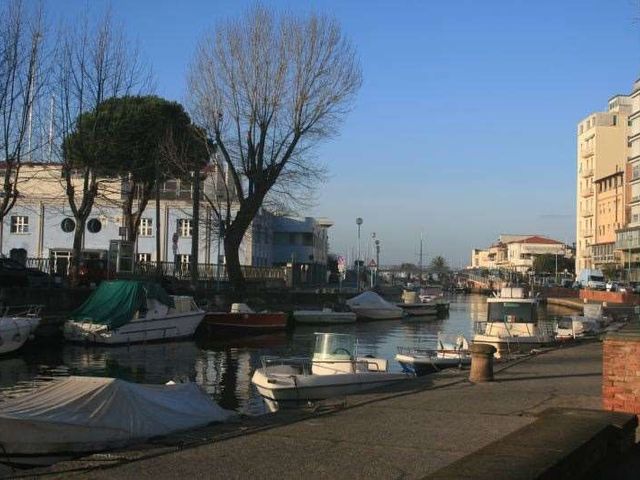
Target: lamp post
pixel 377 259
pixel 358 223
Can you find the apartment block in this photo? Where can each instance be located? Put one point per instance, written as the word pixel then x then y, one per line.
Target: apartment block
pixel 600 195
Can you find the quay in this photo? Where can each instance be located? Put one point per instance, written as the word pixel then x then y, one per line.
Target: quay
pixel 435 427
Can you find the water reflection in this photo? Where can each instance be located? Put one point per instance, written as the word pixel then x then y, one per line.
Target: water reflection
pixel 223 366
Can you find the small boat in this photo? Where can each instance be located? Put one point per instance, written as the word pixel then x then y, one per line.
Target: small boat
pixel 512 325
pixel 326 316
pixel 449 352
pixel 242 319
pixel 434 295
pixel 371 306
pixel 578 326
pixel 17 326
pixel 413 306
pixel 334 370
pixel 128 311
pixel 75 416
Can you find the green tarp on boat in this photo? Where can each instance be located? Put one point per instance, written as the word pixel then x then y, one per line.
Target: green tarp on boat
pixel 115 302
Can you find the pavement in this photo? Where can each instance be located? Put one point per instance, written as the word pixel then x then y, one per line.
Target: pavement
pixel 406 431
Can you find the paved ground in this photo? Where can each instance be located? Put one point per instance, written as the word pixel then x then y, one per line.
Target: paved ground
pixel 385 435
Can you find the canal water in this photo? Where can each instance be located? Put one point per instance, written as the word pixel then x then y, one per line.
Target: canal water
pixel 224 366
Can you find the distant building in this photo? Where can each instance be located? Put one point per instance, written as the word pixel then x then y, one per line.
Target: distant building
pixel 517 252
pixel 42 225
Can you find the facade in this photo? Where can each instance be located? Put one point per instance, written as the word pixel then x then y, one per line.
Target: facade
pixel 628 237
pixel 41 225
pixel 517 252
pixel 601 159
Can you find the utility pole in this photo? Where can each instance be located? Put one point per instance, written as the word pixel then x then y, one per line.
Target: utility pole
pixel 358 223
pixel 195 230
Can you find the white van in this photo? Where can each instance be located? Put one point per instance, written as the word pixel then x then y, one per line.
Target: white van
pixel 592 278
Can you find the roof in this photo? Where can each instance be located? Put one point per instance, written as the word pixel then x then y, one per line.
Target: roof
pixel 538 239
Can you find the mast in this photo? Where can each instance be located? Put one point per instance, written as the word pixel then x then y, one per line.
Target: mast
pixel 420 260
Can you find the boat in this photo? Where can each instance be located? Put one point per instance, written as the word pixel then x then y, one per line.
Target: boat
pixel 17 325
pixel 578 326
pixel 334 370
pixel 512 325
pixel 326 316
pixel 75 416
pixel 434 295
pixel 371 306
pixel 448 352
pixel 129 311
pixel 413 306
pixel 242 319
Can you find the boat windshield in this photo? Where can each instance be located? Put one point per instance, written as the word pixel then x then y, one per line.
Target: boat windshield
pixel 512 312
pixel 334 346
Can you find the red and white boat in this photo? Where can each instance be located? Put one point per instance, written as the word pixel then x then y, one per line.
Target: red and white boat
pixel 242 319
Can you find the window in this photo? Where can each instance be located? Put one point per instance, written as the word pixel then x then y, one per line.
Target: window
pixel 170 186
pixel 94 225
pixel 146 227
pixel 307 239
pixel 19 224
pixel 144 257
pixel 615 120
pixel 68 225
pixel 281 238
pixel 184 227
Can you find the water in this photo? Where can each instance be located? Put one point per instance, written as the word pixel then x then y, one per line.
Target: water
pixel 224 366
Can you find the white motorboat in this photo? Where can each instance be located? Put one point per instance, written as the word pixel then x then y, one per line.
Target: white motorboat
pixel 371 306
pixel 335 370
pixel 17 325
pixel 125 311
pixel 578 326
pixel 75 416
pixel 434 295
pixel 450 351
pixel 512 325
pixel 326 316
pixel 413 306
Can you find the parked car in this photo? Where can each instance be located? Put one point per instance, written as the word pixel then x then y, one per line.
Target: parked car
pixel 591 278
pixel 612 286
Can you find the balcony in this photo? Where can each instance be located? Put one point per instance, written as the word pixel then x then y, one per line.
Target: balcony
pixel 586 212
pixel 587 191
pixel 588 172
pixel 587 151
pixel 587 233
pixel 634 200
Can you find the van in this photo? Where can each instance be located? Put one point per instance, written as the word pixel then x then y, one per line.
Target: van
pixel 592 278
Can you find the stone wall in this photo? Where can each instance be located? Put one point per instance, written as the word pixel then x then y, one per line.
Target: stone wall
pixel 621 370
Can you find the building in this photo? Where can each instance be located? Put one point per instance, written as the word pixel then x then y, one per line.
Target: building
pixel 42 225
pixel 628 237
pixel 517 253
pixel 601 163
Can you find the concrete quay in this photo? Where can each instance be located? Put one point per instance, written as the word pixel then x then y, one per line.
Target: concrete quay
pixel 412 430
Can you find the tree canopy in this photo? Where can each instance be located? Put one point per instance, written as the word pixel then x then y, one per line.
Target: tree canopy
pixel 547 263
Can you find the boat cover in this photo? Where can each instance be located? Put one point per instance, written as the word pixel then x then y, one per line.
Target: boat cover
pixel 370 300
pixel 114 303
pixel 83 414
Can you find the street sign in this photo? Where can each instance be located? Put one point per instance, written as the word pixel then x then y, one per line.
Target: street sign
pixel 342 264
pixel 372 263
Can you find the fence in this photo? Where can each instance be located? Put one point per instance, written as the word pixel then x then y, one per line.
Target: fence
pixel 206 271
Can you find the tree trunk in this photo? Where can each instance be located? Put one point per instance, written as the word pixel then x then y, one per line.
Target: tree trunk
pixel 76 252
pixel 232 240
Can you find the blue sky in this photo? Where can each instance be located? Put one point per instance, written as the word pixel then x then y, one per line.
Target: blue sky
pixel 465 124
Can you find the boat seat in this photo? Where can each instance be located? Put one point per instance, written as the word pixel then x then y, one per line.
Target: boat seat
pixel 370 364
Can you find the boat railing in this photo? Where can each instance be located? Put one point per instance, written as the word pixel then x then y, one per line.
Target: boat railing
pixel 22 311
pixel 304 364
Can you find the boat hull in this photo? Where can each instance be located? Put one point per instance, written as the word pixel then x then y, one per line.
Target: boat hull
pixel 506 346
pixel 246 322
pixel 323 318
pixel 295 389
pixel 172 327
pixel 418 309
pixel 14 333
pixel 426 365
pixel 378 314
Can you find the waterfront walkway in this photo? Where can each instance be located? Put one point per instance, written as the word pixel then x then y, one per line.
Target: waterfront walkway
pixel 393 434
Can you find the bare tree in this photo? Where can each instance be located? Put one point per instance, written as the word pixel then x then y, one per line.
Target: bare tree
pixel 21 84
pixel 95 62
pixel 267 88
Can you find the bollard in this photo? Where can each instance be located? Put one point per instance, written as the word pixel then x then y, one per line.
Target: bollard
pixel 481 362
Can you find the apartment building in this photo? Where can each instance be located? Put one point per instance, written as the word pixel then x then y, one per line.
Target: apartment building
pixel 601 161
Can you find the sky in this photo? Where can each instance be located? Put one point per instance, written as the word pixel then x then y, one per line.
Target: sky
pixel 465 125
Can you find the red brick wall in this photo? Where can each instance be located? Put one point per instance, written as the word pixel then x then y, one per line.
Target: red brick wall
pixel 610 297
pixel 621 376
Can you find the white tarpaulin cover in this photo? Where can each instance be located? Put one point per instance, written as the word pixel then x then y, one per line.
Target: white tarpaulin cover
pixel 83 414
pixel 370 300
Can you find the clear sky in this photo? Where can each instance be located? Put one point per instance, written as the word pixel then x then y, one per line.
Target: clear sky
pixel 465 125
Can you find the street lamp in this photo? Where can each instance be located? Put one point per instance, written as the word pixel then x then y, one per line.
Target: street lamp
pixel 358 223
pixel 377 259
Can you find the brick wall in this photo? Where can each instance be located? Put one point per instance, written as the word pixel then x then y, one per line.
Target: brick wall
pixel 610 297
pixel 621 371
